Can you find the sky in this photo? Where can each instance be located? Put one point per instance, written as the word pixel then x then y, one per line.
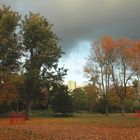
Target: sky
pixel 78 23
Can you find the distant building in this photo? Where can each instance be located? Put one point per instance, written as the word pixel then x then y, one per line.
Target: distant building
pixel 81 86
pixel 71 85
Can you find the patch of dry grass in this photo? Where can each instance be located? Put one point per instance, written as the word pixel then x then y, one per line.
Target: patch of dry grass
pixel 82 127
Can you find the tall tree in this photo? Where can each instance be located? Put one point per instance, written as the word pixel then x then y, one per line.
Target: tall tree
pixel 135 65
pixel 121 70
pixel 135 58
pixel 9 43
pixel 42 54
pixel 98 66
pixel 10 52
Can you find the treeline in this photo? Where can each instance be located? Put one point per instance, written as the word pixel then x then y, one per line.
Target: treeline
pixel 89 100
pixel 114 64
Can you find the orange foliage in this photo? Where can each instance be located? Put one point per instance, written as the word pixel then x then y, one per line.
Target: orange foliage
pixel 135 55
pixel 8 93
pixel 58 129
pixel 108 43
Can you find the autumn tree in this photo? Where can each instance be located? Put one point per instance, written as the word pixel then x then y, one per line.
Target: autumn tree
pixel 135 65
pixel 91 92
pixel 98 66
pixel 42 55
pixel 114 100
pixel 121 70
pixel 135 58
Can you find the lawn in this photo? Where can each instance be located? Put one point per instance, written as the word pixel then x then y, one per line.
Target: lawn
pixel 78 127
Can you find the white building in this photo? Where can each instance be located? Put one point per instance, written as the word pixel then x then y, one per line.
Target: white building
pixel 71 85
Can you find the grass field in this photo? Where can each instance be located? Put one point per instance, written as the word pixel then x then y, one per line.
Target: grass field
pixel 78 127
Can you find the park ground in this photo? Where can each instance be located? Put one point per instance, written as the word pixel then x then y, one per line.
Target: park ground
pixel 77 127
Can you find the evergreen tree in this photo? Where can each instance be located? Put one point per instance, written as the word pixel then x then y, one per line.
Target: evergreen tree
pixel 61 102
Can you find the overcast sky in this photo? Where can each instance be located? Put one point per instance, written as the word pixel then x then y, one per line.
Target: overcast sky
pixel 79 22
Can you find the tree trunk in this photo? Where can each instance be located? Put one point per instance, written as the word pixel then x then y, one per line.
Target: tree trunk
pixel 17 105
pixel 106 108
pixel 28 109
pixel 91 109
pixel 64 113
pixel 122 106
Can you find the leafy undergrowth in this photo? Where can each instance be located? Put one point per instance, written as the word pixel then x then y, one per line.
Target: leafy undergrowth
pixel 86 127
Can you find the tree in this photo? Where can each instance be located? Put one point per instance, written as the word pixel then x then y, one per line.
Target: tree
pixel 79 100
pixel 10 52
pixel 98 67
pixel 135 65
pixel 91 92
pixel 135 86
pixel 42 55
pixel 61 102
pixel 10 48
pixel 121 70
pixel 135 58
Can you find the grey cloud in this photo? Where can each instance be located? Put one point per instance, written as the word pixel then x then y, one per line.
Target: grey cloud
pixel 77 20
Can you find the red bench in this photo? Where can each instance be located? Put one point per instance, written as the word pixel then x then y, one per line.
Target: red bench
pixel 137 113
pixel 17 118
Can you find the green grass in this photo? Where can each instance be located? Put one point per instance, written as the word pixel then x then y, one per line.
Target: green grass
pixel 101 120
